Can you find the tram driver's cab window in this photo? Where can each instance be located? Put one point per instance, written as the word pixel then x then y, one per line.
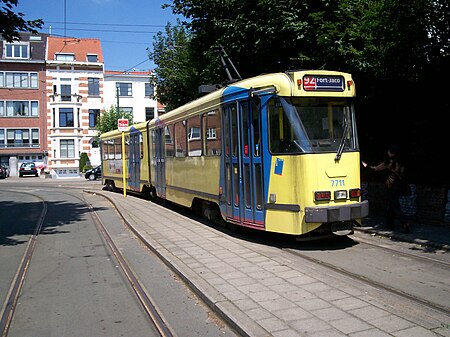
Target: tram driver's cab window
pixel 311 125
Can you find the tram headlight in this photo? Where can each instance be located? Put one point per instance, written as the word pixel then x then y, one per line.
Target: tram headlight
pixel 340 195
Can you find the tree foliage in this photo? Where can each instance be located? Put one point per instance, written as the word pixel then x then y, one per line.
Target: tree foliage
pixel 12 23
pixel 384 39
pixel 176 77
pixel 108 120
pixel 397 52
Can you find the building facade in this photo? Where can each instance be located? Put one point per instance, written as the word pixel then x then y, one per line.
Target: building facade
pixel 52 93
pixel 74 92
pixel 133 92
pixel 23 129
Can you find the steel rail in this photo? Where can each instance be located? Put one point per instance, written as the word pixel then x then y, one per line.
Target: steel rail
pixel 148 304
pixel 375 284
pixel 399 252
pixel 10 304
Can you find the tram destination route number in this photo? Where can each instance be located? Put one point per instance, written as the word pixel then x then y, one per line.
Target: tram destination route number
pixel 323 83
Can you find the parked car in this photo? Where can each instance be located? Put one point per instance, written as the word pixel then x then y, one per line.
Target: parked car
pixel 28 168
pixel 4 172
pixel 94 173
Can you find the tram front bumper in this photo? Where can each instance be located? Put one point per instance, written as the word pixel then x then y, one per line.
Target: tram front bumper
pixel 337 213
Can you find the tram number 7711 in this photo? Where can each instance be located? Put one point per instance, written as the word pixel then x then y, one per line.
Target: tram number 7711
pixel 337 182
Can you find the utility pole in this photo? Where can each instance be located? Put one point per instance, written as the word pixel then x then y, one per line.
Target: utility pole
pixel 117 97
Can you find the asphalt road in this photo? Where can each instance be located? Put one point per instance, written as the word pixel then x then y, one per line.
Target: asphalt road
pixel 74 286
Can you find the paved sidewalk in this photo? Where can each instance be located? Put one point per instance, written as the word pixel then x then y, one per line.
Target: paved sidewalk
pixel 262 291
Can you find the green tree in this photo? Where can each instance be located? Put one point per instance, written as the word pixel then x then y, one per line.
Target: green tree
pixel 175 75
pixel 83 161
pixel 108 120
pixel 383 39
pixel 12 23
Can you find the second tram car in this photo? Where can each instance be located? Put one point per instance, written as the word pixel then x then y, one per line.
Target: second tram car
pixel 277 152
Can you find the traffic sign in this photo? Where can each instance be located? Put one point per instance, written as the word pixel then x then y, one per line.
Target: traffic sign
pixel 122 124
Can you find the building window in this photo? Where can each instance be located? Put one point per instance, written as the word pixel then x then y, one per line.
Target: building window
pixel 92 58
pixel 149 90
pixel 93 87
pixel 67 148
pixel 35 137
pixel 194 133
pixel 17 51
pixel 18 80
pixel 19 138
pixel 64 57
pixel 19 108
pixel 211 133
pixel 66 117
pixel 127 110
pixel 66 92
pixel 94 116
pixel 149 113
pixel 124 89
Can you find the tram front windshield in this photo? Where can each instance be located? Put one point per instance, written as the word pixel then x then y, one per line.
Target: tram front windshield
pixel 311 125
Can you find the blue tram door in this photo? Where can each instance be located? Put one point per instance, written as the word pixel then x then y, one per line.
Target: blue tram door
pixel 159 161
pixel 134 159
pixel 243 164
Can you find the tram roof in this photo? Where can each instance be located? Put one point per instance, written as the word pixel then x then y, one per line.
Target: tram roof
pixel 281 81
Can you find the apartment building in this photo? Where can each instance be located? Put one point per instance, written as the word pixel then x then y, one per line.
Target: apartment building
pixel 74 92
pixel 23 129
pixel 133 92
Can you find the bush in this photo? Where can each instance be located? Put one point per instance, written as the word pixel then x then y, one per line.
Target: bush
pixel 83 161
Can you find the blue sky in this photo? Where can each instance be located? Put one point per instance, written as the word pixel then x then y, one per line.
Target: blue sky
pixel 125 27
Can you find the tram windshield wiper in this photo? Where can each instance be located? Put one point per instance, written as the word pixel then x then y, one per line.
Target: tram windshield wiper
pixel 342 142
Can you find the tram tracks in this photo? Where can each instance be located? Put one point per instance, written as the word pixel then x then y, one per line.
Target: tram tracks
pixel 376 284
pixel 399 252
pixel 148 304
pixel 12 297
pixel 149 307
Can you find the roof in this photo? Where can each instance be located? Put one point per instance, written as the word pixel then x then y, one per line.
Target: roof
pixel 80 47
pixel 125 73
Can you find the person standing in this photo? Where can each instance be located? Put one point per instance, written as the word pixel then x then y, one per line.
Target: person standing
pixel 394 165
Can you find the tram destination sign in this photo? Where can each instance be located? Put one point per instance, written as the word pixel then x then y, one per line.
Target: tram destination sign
pixel 323 83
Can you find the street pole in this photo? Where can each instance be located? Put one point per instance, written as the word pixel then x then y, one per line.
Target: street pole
pixel 124 179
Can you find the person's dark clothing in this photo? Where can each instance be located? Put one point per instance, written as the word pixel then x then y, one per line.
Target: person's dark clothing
pixel 394 187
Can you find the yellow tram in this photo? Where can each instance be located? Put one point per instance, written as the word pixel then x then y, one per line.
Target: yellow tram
pixel 277 152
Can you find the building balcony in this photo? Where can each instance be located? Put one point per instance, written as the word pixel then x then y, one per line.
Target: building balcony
pixel 65 99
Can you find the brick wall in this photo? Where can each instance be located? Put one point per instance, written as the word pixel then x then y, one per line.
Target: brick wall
pixel 431 203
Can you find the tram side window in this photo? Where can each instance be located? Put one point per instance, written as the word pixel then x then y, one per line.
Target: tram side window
pixel 169 143
pixel 153 143
pixel 212 132
pixel 180 139
pixel 194 137
pixel 255 129
pixel 127 147
pixel 118 148
pixel 245 126
pixel 111 150
pixel 234 130
pixel 105 149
